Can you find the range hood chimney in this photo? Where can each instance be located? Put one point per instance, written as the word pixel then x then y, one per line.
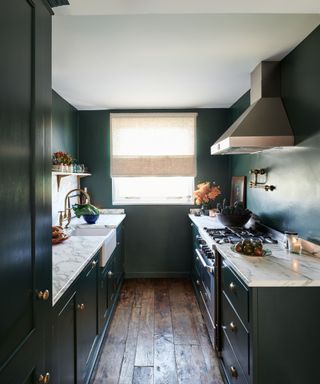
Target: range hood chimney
pixel 265 123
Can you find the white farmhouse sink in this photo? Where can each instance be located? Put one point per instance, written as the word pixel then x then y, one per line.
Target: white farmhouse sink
pixel 109 244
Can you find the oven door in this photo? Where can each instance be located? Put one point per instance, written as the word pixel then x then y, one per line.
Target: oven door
pixel 207 294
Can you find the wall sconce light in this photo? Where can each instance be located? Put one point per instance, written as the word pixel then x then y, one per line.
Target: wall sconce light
pixel 256 181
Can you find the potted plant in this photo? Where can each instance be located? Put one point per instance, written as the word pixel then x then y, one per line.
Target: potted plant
pixel 89 212
pixel 61 161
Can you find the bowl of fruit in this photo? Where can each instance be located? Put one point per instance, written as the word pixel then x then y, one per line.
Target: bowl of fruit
pixel 235 215
pixel 250 247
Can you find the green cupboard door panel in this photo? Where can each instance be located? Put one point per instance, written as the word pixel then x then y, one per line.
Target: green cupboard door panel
pixel 87 316
pixel 65 344
pixel 22 262
pixel 16 191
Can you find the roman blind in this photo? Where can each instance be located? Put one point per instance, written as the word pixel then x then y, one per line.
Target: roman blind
pixel 153 144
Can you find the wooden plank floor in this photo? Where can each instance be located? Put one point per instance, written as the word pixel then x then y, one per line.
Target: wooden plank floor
pixel 157 336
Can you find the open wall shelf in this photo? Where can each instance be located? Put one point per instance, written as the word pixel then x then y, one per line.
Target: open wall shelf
pixel 60 175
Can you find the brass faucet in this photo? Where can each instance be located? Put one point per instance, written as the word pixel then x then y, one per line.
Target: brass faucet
pixel 66 213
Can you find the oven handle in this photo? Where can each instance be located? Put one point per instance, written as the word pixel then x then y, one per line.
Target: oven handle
pixel 207 267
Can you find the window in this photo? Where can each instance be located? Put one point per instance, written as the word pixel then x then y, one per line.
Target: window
pixel 153 158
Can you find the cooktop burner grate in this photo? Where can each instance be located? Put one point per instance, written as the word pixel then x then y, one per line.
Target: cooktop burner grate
pixel 235 234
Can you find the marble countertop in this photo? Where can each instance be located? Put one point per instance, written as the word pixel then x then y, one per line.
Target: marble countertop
pixel 70 257
pixel 281 269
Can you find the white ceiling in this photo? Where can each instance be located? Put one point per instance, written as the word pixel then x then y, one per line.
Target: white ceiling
pixel 118 57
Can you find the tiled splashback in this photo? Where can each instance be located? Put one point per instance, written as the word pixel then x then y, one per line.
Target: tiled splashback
pixel 66 184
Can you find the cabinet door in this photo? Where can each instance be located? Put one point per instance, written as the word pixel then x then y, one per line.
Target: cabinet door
pixel 111 282
pixel 64 346
pixel 118 256
pixel 25 245
pixel 105 288
pixel 87 316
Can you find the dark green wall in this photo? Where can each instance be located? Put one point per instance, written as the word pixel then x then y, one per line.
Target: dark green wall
pixel 157 237
pixel 64 126
pixel 294 205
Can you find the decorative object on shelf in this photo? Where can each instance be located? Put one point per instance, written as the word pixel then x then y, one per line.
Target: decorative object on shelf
pixel 257 183
pixel 238 189
pixel 235 215
pixel 63 160
pixel 89 212
pixel 205 195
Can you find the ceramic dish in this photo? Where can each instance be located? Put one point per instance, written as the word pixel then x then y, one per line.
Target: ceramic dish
pixel 265 252
pixel 58 240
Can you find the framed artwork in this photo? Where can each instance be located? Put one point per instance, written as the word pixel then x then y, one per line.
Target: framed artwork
pixel 238 189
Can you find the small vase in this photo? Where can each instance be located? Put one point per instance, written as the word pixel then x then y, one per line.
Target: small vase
pixel 205 209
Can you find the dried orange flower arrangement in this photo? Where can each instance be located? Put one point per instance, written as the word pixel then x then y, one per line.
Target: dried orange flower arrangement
pixel 205 193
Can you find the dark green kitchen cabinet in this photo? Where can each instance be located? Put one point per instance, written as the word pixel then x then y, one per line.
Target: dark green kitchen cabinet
pixel 269 334
pixel 64 342
pixel 82 315
pixel 87 317
pixel 119 258
pixel 106 293
pixel 75 328
pixel 25 190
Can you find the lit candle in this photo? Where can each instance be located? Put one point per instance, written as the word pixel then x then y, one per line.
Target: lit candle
pixel 294 244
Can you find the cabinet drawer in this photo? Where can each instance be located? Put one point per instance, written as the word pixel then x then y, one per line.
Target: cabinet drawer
pixel 230 364
pixel 236 292
pixel 236 333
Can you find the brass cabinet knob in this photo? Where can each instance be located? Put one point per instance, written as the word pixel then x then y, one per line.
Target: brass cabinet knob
pixel 197 258
pixel 110 274
pixel 44 379
pixel 232 326
pixel 43 295
pixel 234 372
pixel 118 242
pixel 94 263
pixel 81 306
pixel 232 287
pixel 198 282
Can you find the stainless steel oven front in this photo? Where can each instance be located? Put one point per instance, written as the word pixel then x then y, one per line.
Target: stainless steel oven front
pixel 208 270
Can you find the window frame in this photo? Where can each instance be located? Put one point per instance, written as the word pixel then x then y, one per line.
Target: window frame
pixel 184 200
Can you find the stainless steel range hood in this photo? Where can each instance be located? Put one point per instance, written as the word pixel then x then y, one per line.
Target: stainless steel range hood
pixel 265 123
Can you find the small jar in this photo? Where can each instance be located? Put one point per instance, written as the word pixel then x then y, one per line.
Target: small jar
pixel 287 238
pixel 293 242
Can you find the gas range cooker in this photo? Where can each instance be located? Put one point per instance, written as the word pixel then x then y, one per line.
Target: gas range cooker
pixel 235 234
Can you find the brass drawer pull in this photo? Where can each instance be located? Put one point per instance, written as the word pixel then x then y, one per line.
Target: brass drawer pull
pixel 233 326
pixel 232 287
pixel 198 282
pixel 233 371
pixel 43 295
pixel 44 379
pixel 94 263
pixel 110 274
pixel 81 306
